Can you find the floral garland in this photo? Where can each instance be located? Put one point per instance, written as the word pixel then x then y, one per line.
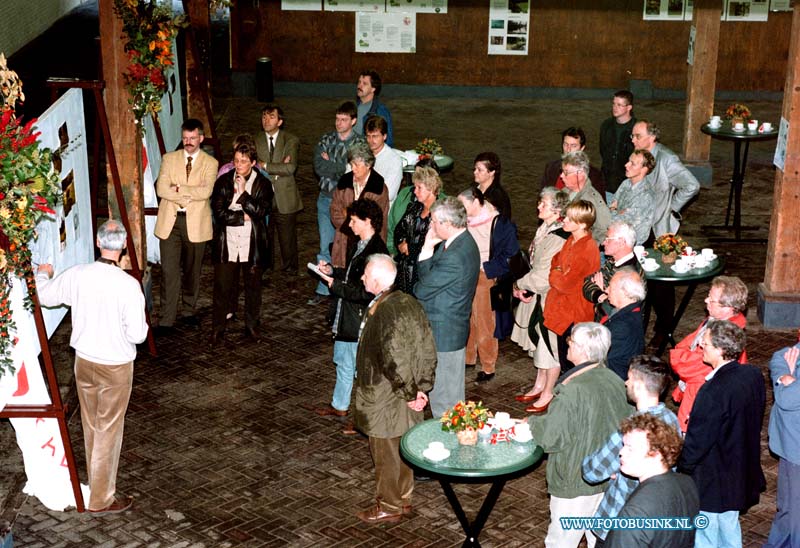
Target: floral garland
pixel 150 27
pixel 29 187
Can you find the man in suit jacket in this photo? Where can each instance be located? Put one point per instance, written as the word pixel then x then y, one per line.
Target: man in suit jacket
pixel 277 154
pixel 626 291
pixel 448 274
pixel 722 451
pixel 183 225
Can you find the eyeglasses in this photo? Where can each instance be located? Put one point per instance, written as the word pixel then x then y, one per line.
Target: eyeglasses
pixel 568 173
pixel 610 239
pixel 638 135
pixel 709 300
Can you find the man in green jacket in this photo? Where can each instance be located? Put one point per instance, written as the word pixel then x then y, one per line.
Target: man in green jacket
pixel 395 366
pixel 589 403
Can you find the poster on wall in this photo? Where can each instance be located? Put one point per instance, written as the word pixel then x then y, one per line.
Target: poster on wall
pixel 417 6
pixel 508 27
pixel 747 10
pixel 664 10
pixel 355 5
pixel 170 118
pixel 386 32
pixel 301 5
pixel 780 5
pixel 780 148
pixel 688 10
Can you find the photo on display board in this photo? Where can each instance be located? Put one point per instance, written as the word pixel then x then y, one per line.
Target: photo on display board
pixel 739 9
pixel 515 6
pixel 68 188
pixel 652 7
pixel 517 27
pixel 675 7
pixel 516 43
pixel 496 40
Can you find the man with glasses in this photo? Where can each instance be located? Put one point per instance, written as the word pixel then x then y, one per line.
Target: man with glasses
pixel 634 201
pixel 673 185
pixel 618 245
pixel 573 139
pixel 448 275
pixel 722 451
pixel 575 176
pixel 615 145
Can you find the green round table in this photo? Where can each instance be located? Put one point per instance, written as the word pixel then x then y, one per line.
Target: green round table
pixel 445 163
pixel 691 279
pixel 481 463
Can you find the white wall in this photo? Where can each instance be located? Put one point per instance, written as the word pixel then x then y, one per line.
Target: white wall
pixel 23 20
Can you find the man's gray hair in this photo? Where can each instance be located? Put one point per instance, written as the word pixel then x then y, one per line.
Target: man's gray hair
pixel 112 235
pixel 631 283
pixel 450 210
pixel 384 269
pixel 360 151
pixel 728 337
pixel 594 339
pixel 578 159
pixel 625 231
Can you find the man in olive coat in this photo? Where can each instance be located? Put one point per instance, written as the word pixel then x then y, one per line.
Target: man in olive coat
pixel 395 365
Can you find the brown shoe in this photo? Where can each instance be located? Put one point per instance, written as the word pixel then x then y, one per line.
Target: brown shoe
pixel 376 515
pixel 330 410
pixel 407 509
pixel 349 429
pixel 119 505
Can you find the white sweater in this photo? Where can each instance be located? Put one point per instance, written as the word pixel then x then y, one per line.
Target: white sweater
pixel 108 318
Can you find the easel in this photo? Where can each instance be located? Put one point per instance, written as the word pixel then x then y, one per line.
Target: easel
pixel 56 410
pixel 97 87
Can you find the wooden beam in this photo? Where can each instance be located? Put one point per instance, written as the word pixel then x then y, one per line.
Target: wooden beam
pixel 197 62
pixel 779 294
pixel 123 129
pixel 702 79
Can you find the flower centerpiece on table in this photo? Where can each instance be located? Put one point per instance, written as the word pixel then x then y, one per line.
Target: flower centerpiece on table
pixel 738 112
pixel 465 419
pixel 428 148
pixel 29 189
pixel 670 245
pixel 150 27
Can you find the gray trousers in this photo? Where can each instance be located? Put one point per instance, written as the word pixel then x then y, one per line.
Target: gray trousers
pixel 179 254
pixel 448 386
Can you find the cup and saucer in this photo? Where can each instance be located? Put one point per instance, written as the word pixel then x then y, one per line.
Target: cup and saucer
pixel 650 265
pixel 436 452
pixel 521 433
pixel 502 421
pixel 681 267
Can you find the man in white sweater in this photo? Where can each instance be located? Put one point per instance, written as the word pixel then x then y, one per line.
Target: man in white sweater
pixel 108 321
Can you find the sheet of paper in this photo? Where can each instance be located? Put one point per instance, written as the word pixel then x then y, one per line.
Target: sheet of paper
pixel 780 148
pixel 417 6
pixel 386 32
pixel 509 21
pixel 355 5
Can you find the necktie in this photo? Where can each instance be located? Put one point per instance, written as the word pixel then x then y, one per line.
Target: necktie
pixel 271 148
pixel 188 166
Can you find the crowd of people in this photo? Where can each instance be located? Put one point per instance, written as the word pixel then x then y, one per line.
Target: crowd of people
pixel 420 288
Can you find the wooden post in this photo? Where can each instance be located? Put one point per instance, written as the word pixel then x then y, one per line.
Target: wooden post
pixel 198 79
pixel 124 131
pixel 702 80
pixel 779 294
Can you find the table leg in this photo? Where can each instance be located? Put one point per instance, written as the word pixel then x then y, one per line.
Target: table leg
pixel 676 319
pixel 473 529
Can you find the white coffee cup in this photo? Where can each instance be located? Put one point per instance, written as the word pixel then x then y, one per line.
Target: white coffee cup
pixel 738 126
pixel 766 126
pixel 650 262
pixel 436 447
pixel 707 252
pixel 522 431
pixel 638 250
pixel 681 267
pixel 700 261
pixel 687 251
pixel 502 420
pixel 715 120
pixel 752 125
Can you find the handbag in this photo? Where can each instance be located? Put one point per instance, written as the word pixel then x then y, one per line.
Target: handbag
pixel 519 265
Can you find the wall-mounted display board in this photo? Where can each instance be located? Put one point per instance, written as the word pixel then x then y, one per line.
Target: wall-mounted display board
pixel 417 6
pixel 733 10
pixel 301 5
pixel 509 22
pixel 386 32
pixel 355 5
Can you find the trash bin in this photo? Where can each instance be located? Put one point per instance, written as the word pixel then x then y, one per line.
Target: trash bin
pixel 264 91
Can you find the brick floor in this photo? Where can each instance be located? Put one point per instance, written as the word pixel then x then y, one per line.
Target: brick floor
pixel 221 447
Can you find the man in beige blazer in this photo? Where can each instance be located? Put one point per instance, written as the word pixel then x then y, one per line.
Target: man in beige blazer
pixel 183 226
pixel 277 154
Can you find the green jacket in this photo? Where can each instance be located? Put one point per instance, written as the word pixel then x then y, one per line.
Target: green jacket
pixel 586 410
pixel 396 358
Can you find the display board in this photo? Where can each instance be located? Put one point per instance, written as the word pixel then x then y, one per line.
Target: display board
pixel 509 22
pixel 386 32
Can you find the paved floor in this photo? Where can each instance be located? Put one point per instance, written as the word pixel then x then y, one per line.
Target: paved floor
pixel 222 448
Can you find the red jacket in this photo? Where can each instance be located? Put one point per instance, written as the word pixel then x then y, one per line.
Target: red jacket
pixel 565 304
pixel 689 366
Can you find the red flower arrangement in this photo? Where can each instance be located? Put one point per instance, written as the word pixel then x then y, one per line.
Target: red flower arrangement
pixel 29 187
pixel 150 28
pixel 464 416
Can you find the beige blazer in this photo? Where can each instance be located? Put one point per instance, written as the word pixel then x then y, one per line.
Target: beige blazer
pixel 193 195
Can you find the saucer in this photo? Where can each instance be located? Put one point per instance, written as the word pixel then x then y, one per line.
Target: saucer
pixel 680 270
pixel 738 130
pixel 710 126
pixel 520 440
pixel 650 268
pixel 435 456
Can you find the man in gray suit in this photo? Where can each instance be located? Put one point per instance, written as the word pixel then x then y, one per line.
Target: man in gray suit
pixel 673 185
pixel 277 154
pixel 448 274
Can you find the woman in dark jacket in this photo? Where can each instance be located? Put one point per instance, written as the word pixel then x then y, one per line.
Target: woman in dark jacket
pixel 366 221
pixel 240 203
